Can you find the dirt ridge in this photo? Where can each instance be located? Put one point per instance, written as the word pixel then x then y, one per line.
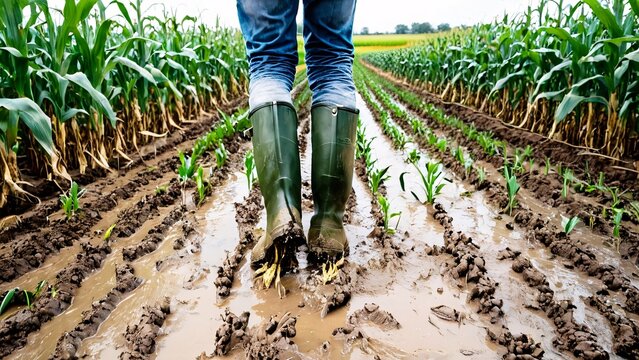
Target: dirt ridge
pixel 69 343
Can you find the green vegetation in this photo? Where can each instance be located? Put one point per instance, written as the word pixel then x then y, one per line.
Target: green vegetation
pixel 512 188
pixel 79 90
pixel 565 70
pixel 71 200
pixel 569 223
pixel 432 183
pixel 249 169
pixel 384 206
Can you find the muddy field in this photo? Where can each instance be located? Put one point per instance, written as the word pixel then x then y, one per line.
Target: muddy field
pixel 457 279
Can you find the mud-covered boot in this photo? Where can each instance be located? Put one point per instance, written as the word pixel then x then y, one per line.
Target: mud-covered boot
pixel 333 130
pixel 277 160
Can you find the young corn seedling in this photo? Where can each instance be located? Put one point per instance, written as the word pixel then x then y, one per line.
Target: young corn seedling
pixel 547 165
pixel 221 155
pixel 108 232
pixel 186 170
pixel 481 175
pixel 442 144
pixel 512 186
pixel 384 205
pixel 413 157
pixel 71 200
pixel 616 221
pixel 568 179
pixel 202 185
pixel 161 189
pixel 249 166
pixel 431 182
pixel 569 223
pixel 417 126
pixel 376 178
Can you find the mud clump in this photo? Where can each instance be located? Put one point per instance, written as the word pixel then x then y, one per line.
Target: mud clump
pixel 247 214
pixel 69 343
pixel 625 340
pixel 154 237
pixel 141 336
pixel 373 314
pixel 130 220
pixel 264 341
pixel 341 293
pixel 467 264
pixel 571 336
pixel 520 347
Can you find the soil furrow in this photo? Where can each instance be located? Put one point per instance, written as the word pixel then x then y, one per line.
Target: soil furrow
pixel 485 301
pixel 69 343
pixel 570 249
pixel 30 252
pixel 547 188
pixel 571 336
pixel 16 328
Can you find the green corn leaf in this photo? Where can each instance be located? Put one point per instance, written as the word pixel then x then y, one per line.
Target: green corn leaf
pixel 571 101
pixel 606 17
pixel 6 302
pixel 134 66
pixel 34 118
pixel 102 102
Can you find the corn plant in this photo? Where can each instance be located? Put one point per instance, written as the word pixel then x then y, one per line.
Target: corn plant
pixel 546 166
pixel 413 156
pixel 202 185
pixel 71 200
pixel 577 61
pixel 617 215
pixel 481 175
pixel 569 224
pixel 249 169
pixel 376 177
pixel 568 179
pixel 70 74
pixel 187 167
pixel 221 155
pixel 441 144
pixel 388 215
pixel 512 188
pixel 432 183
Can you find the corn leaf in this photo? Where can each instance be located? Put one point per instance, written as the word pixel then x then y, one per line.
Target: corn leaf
pixel 34 118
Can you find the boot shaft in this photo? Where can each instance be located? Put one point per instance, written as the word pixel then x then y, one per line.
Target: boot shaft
pixel 333 130
pixel 277 159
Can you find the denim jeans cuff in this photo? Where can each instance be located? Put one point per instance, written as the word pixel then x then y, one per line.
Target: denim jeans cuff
pixel 268 90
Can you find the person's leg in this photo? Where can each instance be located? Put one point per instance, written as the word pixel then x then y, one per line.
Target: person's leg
pixel 328 33
pixel 270 32
pixel 269 29
pixel 328 26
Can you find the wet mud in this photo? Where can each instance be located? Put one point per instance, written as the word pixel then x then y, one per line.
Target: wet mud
pixel 140 336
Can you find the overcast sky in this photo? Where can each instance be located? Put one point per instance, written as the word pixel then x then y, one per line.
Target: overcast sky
pixel 377 15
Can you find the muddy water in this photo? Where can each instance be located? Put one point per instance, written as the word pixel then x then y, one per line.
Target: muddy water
pixel 53 264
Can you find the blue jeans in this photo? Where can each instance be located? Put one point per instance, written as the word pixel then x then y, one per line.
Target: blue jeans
pixel 270 30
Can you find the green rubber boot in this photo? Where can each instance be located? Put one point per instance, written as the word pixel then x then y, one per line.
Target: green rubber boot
pixel 277 160
pixel 333 130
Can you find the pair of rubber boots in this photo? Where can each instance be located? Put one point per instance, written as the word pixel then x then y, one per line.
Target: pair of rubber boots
pixel 277 158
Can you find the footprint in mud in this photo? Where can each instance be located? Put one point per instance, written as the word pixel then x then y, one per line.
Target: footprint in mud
pixel 269 340
pixel 447 313
pixel 353 333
